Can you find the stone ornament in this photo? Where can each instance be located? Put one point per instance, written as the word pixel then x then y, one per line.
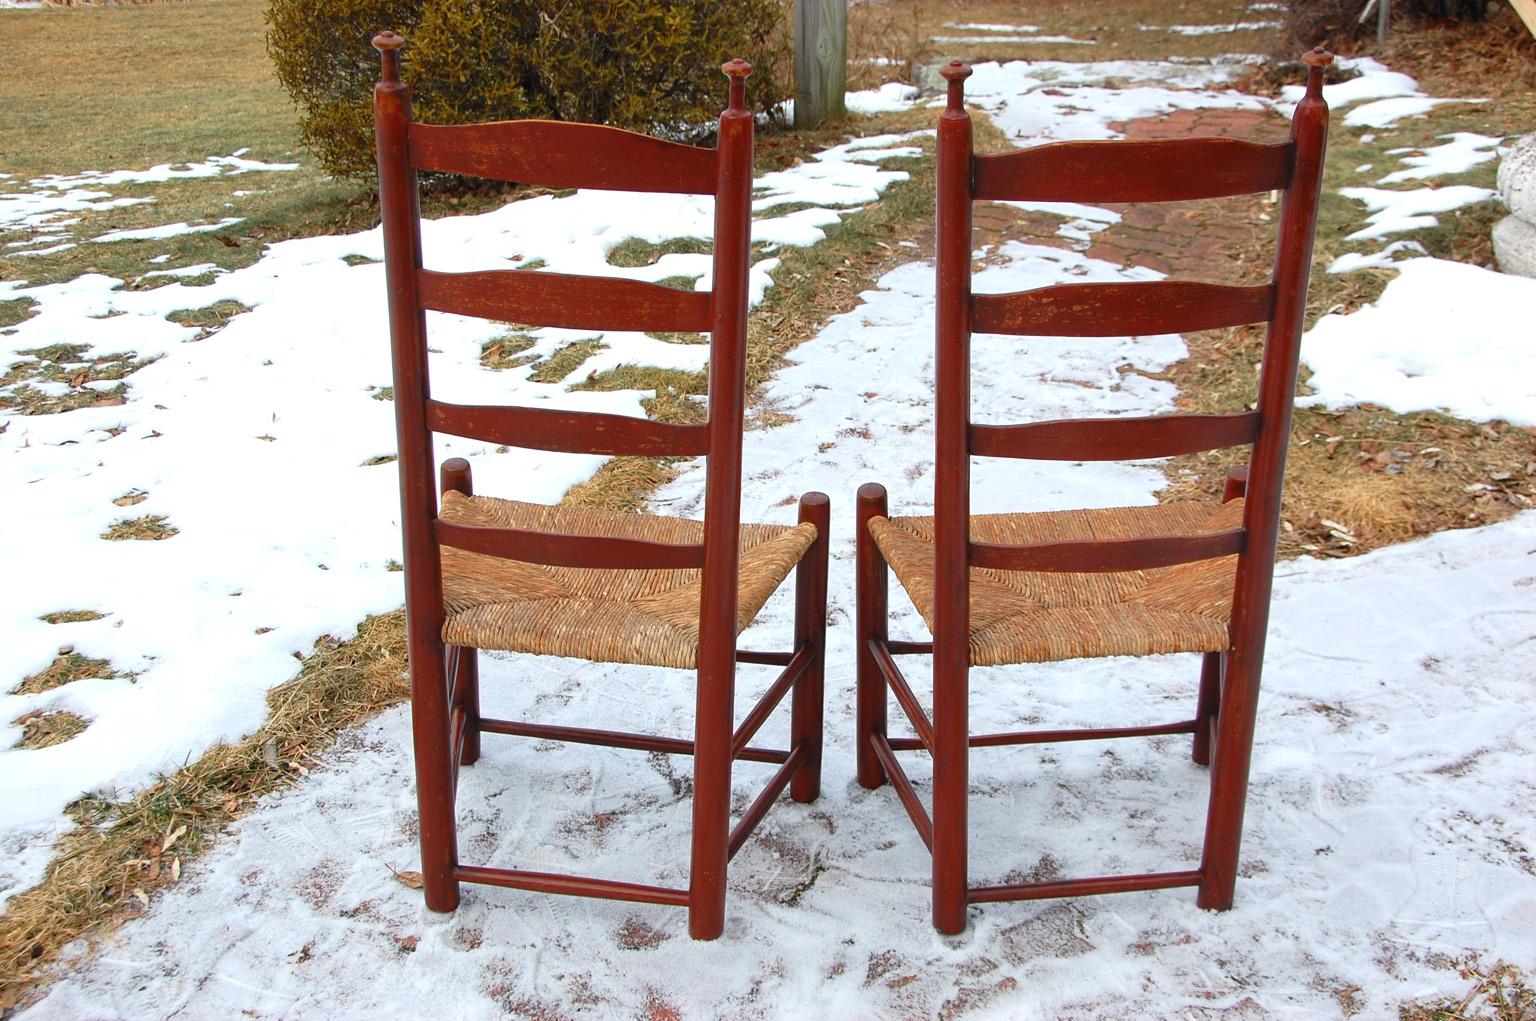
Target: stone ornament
pixel 1514 237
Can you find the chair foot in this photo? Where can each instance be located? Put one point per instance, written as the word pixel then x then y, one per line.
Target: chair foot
pixel 873 588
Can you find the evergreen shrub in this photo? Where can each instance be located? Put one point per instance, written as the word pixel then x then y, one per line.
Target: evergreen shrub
pixel 646 65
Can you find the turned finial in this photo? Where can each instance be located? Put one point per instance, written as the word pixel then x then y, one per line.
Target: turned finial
pixel 388 44
pixel 1316 60
pixel 955 73
pixel 737 70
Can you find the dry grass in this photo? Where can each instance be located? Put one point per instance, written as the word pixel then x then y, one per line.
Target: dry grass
pixel 150 528
pixel 71 616
pixel 565 361
pixel 1499 992
pixel 32 386
pixel 44 729
pixel 210 318
pixel 123 851
pixel 69 666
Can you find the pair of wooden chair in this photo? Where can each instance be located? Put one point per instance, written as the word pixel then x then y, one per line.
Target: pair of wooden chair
pixel 487 573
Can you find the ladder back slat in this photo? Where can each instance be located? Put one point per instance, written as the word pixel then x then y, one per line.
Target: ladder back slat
pixel 1115 439
pixel 561 155
pixel 1135 309
pixel 572 432
pixel 558 550
pixel 1100 555
pixel 1135 171
pixel 561 299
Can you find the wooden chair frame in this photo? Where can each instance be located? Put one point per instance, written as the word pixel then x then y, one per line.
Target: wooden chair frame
pixel 446 716
pixel 1223 727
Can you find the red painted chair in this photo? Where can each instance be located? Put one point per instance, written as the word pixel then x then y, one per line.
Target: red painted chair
pixel 1012 588
pixel 484 573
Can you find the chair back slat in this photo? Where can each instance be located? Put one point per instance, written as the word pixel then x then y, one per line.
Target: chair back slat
pixel 573 432
pixel 566 300
pixel 554 549
pixel 1115 439
pixel 563 155
pixel 1135 171
pixel 1103 555
pixel 1136 309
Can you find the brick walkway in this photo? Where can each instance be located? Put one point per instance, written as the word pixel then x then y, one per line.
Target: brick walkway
pixel 1208 240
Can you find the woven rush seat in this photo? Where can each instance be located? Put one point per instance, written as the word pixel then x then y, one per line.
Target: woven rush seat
pixel 1044 616
pixel 613 616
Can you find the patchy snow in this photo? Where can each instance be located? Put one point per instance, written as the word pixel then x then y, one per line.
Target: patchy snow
pixel 1386 112
pixel 1386 821
pixel 1051 101
pixel 1387 96
pixel 989 26
pixel 55 194
pixel 45 251
pixel 1465 150
pixel 1394 211
pixel 1234 26
pixel 968 40
pixel 891 96
pixel 234 439
pixel 1351 261
pixel 164 231
pixel 1443 335
pixel 1082 221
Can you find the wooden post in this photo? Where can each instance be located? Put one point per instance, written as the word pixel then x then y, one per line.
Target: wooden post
pixel 1383 16
pixel 821 60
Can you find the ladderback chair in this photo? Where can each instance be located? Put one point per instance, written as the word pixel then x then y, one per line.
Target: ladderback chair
pixel 1036 587
pixel 486 573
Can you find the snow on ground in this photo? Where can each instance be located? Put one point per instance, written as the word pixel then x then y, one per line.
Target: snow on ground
pixel 1233 26
pixel 1443 335
pixel 1015 34
pixel 167 230
pixel 1385 96
pixel 1394 210
pixel 53 195
pixel 973 40
pixel 1351 261
pixel 1386 821
pixel 1465 150
pixel 1053 101
pixel 261 444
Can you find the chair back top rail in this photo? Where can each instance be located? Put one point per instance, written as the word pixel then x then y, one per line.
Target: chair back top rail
pixel 1165 170
pixel 566 300
pixel 557 154
pixel 1115 439
pixel 1103 555
pixel 572 432
pixel 1137 308
pixel 553 549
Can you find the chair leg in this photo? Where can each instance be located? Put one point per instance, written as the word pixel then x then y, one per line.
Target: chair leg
pixel 1232 755
pixel 872 612
pixel 467 683
pixel 431 724
pixel 713 727
pixel 1206 706
pixel 951 784
pixel 810 631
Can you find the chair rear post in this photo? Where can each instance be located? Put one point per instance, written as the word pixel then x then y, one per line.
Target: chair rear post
pixel 398 207
pixel 951 632
pixel 722 513
pixel 1256 567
